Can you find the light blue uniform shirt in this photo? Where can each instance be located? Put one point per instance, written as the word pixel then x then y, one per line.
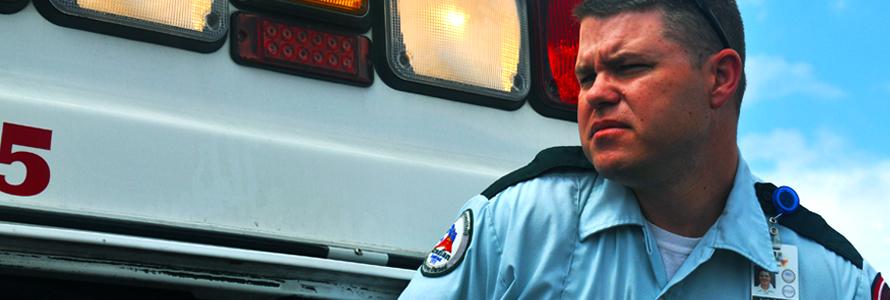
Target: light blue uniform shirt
pixel 571 234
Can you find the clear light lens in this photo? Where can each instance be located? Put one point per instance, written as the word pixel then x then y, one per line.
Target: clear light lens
pixel 478 46
pixel 203 20
pixel 356 7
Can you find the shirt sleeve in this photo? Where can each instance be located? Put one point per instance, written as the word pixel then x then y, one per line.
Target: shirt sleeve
pixel 866 288
pixel 474 275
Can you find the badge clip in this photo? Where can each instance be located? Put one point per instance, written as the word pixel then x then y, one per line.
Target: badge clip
pixel 785 200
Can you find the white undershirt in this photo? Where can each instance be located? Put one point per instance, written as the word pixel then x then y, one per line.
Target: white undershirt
pixel 673 248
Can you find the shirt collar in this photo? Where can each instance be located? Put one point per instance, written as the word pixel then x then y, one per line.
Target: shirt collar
pixel 608 205
pixel 741 228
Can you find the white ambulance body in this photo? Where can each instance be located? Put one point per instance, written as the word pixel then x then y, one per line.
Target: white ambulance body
pixel 132 164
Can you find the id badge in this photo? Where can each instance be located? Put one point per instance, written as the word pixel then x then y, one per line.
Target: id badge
pixel 784 285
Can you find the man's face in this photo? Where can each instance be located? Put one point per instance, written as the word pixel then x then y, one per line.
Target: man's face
pixel 764 278
pixel 643 107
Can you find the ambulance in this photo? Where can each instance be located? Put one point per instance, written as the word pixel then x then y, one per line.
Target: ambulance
pixel 262 149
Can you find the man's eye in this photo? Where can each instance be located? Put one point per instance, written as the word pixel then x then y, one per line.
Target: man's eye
pixel 587 79
pixel 631 68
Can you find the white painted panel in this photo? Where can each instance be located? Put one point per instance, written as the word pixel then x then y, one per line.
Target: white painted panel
pixel 158 134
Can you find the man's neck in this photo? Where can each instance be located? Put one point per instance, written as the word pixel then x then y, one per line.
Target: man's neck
pixel 690 205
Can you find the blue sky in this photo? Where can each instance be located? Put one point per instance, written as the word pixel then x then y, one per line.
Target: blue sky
pixel 816 108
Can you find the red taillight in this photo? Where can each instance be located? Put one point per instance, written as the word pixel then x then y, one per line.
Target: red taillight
pixel 561 35
pixel 557 45
pixel 300 49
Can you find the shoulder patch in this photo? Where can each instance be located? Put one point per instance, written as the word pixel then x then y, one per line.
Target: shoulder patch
pixel 450 250
pixel 879 289
pixel 809 224
pixel 546 160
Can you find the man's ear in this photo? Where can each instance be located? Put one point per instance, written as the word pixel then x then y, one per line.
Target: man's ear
pixel 726 67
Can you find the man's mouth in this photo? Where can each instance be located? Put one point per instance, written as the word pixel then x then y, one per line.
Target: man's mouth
pixel 605 126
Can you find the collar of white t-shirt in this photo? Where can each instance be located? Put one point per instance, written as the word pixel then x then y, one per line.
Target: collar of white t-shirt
pixel 673 248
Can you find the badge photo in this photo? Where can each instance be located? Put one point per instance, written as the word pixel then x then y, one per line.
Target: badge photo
pixel 449 252
pixel 783 285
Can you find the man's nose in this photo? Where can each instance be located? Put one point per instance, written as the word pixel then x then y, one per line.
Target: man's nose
pixel 602 93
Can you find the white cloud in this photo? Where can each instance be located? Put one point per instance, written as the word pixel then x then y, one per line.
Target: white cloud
pixel 847 187
pixel 772 77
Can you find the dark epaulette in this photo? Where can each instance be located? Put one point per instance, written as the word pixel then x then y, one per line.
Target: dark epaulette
pixel 810 225
pixel 546 160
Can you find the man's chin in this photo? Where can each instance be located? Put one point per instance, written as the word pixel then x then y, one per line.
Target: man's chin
pixel 618 169
pixel 612 165
pixel 610 169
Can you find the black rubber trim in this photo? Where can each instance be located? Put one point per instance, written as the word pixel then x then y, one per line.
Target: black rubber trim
pixel 404 262
pixel 53 15
pixel 8 8
pixel 539 88
pixel 550 159
pixel 298 12
pixel 809 225
pixel 386 74
pixel 159 231
pixel 21 287
pixel 545 109
pixel 181 234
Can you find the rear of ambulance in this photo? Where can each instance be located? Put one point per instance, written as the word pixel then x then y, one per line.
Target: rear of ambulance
pixel 261 149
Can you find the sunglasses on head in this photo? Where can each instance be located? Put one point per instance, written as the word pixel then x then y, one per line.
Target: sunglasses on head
pixel 712 18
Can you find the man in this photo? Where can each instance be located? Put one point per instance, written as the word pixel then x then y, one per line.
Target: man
pixel 667 209
pixel 765 285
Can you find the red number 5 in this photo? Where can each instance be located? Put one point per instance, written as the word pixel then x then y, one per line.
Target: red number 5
pixel 37 174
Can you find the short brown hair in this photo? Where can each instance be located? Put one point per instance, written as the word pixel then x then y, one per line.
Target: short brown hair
pixel 683 23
